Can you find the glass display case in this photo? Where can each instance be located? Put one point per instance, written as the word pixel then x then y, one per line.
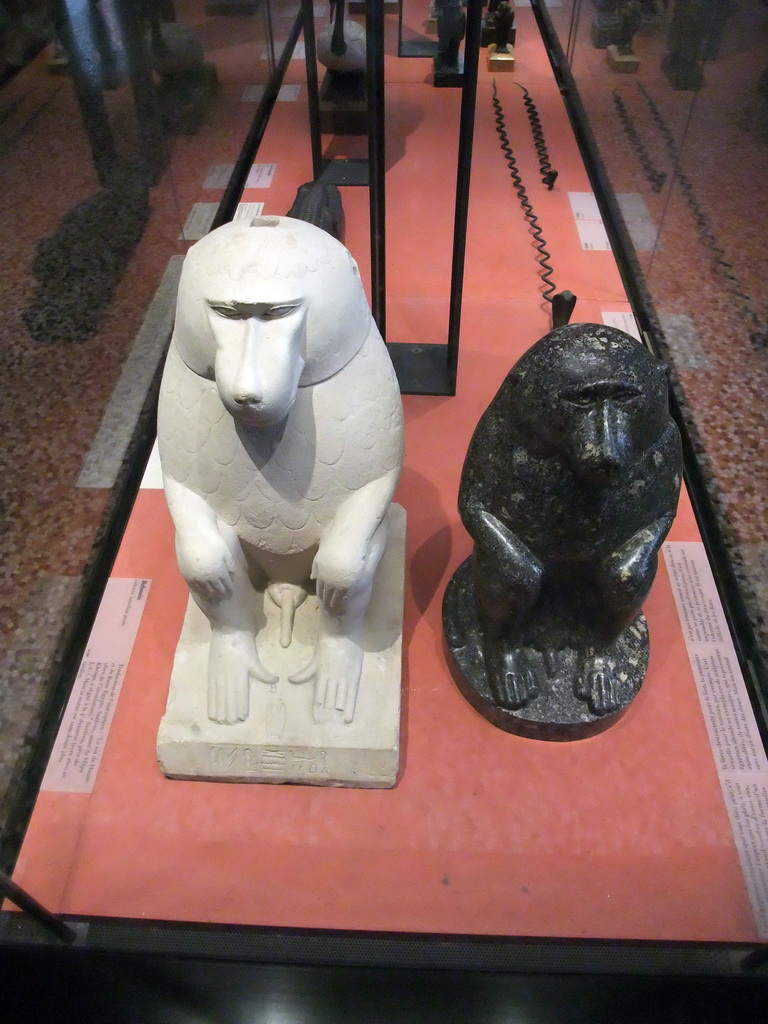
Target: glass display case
pixel 678 143
pixel 639 851
pixel 113 162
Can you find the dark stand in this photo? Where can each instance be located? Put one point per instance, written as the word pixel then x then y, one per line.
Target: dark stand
pixel 430 369
pixel 343 100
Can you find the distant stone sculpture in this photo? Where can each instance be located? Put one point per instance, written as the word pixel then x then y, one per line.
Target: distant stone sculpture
pixel 693 37
pixel 280 432
pixel 569 487
pixel 451 23
pixel 320 204
pixel 630 16
pixel 341 47
pixel 503 22
pixel 341 44
pixel 605 27
pixel 187 83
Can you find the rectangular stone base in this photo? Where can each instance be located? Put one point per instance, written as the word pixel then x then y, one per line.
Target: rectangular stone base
pixel 500 61
pixel 443 79
pixel 622 62
pixel 343 105
pixel 280 741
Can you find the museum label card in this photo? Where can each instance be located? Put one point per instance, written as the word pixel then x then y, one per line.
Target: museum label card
pixel 298 50
pixel 218 176
pixel 74 762
pixel 198 223
pixel 252 94
pixel 260 176
pixel 288 93
pixel 623 322
pixel 738 751
pixel 247 211
pixel 589 223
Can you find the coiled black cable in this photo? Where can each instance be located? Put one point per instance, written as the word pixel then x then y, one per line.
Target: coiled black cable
pixel 543 257
pixel 548 175
pixel 655 177
pixel 759 335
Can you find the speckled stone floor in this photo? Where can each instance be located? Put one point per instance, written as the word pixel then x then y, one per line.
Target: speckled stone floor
pixel 69 410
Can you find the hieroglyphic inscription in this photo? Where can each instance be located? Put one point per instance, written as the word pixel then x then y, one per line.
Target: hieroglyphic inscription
pixel 231 759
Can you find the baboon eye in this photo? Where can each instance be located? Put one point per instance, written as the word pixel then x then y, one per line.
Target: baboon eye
pixel 276 312
pixel 600 393
pixel 582 401
pixel 227 310
pixel 245 310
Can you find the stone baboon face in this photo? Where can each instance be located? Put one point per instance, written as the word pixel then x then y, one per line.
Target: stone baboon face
pixel 592 394
pixel 268 307
pixel 259 336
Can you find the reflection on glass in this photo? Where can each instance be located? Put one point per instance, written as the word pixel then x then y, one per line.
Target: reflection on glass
pixel 684 141
pixel 112 115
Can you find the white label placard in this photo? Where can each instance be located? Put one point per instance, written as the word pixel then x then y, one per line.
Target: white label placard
pixel 298 50
pixel 593 236
pixel 252 94
pixel 740 759
pixel 623 322
pixel 285 94
pixel 260 176
pixel 82 736
pixel 247 211
pixel 589 223
pixel 199 221
pixel 218 176
pixel 746 798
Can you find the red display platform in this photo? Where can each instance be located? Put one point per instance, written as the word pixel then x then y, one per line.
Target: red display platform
pixel 624 835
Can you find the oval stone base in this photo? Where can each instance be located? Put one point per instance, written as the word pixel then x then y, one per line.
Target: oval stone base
pixel 557 713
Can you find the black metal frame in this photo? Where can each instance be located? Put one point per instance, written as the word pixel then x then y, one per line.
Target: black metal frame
pixel 422 369
pixel 431 369
pixel 236 183
pixel 514 954
pixel 423 47
pixel 341 171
